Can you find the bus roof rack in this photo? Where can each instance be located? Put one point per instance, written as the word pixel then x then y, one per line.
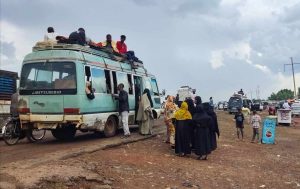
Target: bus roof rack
pixel 99 51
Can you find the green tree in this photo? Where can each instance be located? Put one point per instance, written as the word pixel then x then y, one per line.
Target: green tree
pixel 283 94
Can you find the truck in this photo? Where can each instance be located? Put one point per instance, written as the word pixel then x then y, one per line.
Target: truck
pixel 185 92
pixel 8 86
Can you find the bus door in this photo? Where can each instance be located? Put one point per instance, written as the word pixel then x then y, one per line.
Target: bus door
pixel 150 83
pixel 137 80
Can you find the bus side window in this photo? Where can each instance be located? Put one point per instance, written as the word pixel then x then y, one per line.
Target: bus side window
pixel 154 87
pixel 130 91
pixel 108 81
pixel 115 82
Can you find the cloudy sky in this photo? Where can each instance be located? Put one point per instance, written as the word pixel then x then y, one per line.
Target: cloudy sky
pixel 215 46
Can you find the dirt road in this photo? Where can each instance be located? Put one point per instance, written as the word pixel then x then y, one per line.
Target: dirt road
pixel 88 163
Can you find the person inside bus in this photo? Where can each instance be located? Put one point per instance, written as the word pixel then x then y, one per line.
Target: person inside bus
pixel 50 36
pixel 108 44
pixel 89 91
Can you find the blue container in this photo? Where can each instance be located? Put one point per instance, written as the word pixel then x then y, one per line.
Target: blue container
pixel 269 130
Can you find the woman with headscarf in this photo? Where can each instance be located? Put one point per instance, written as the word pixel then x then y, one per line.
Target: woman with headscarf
pixel 198 102
pixel 145 115
pixel 170 108
pixel 191 105
pixel 202 123
pixel 182 131
pixel 215 127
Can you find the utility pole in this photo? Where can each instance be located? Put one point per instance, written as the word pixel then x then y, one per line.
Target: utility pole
pixel 292 63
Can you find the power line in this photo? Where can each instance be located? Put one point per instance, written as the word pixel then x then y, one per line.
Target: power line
pixel 292 64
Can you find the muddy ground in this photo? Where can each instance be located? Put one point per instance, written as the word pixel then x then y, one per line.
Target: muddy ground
pixel 147 162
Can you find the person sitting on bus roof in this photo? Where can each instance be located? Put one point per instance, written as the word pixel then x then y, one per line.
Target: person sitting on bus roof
pixel 50 36
pixel 109 44
pixel 121 46
pixel 78 37
pixel 89 91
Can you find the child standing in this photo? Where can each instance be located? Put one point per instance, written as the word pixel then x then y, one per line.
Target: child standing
pixel 239 120
pixel 255 122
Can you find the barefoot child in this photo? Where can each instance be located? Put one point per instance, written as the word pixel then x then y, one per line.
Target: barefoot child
pixel 255 122
pixel 239 121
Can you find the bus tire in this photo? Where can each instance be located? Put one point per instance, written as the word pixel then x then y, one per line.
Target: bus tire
pixel 65 133
pixel 111 127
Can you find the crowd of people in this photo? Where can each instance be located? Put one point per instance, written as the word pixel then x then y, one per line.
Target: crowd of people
pixel 191 128
pixel 79 37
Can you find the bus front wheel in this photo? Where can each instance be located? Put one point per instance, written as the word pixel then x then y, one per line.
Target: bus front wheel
pixel 65 133
pixel 110 128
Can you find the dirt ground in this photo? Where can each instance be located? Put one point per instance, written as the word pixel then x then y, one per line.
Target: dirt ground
pixel 151 163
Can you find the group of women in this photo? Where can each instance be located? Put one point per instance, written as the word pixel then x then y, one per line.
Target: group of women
pixel 192 127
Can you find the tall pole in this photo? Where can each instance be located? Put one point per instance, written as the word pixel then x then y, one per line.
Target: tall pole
pixel 295 94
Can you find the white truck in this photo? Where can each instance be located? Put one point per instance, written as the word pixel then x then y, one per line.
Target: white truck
pixel 185 92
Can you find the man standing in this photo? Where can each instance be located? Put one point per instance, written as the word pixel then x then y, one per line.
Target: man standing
pixel 123 109
pixel 211 102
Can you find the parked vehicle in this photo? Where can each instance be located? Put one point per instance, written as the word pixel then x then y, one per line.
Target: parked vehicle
pixel 237 101
pixel 257 105
pixel 222 105
pixel 8 86
pixel 185 92
pixel 295 108
pixel 52 90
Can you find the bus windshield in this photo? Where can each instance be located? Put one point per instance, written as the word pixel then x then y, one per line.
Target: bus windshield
pixel 235 101
pixel 59 77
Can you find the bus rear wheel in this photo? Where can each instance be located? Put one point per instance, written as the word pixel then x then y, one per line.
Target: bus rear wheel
pixel 64 133
pixel 110 128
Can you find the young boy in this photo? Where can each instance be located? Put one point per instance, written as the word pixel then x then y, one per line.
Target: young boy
pixel 255 122
pixel 239 120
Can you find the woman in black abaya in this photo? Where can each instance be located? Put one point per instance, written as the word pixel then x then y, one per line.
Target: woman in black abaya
pixel 202 123
pixel 215 128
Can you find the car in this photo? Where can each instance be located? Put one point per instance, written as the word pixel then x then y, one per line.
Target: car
pixel 257 105
pixel 222 105
pixel 295 108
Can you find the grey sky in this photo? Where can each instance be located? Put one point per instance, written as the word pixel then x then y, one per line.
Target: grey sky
pixel 216 46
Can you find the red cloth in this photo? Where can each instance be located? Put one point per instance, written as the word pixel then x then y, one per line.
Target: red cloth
pixel 122 47
pixel 99 44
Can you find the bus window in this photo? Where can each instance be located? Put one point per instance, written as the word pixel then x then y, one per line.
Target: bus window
pixel 148 85
pixel 107 81
pixel 154 87
pixel 129 78
pixel 115 82
pixel 122 78
pixel 98 80
pixel 49 76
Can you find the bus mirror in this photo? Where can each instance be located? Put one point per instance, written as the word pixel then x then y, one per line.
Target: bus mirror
pixel 194 91
pixel 163 92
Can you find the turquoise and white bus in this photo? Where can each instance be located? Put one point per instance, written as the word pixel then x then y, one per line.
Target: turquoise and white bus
pixel 52 90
